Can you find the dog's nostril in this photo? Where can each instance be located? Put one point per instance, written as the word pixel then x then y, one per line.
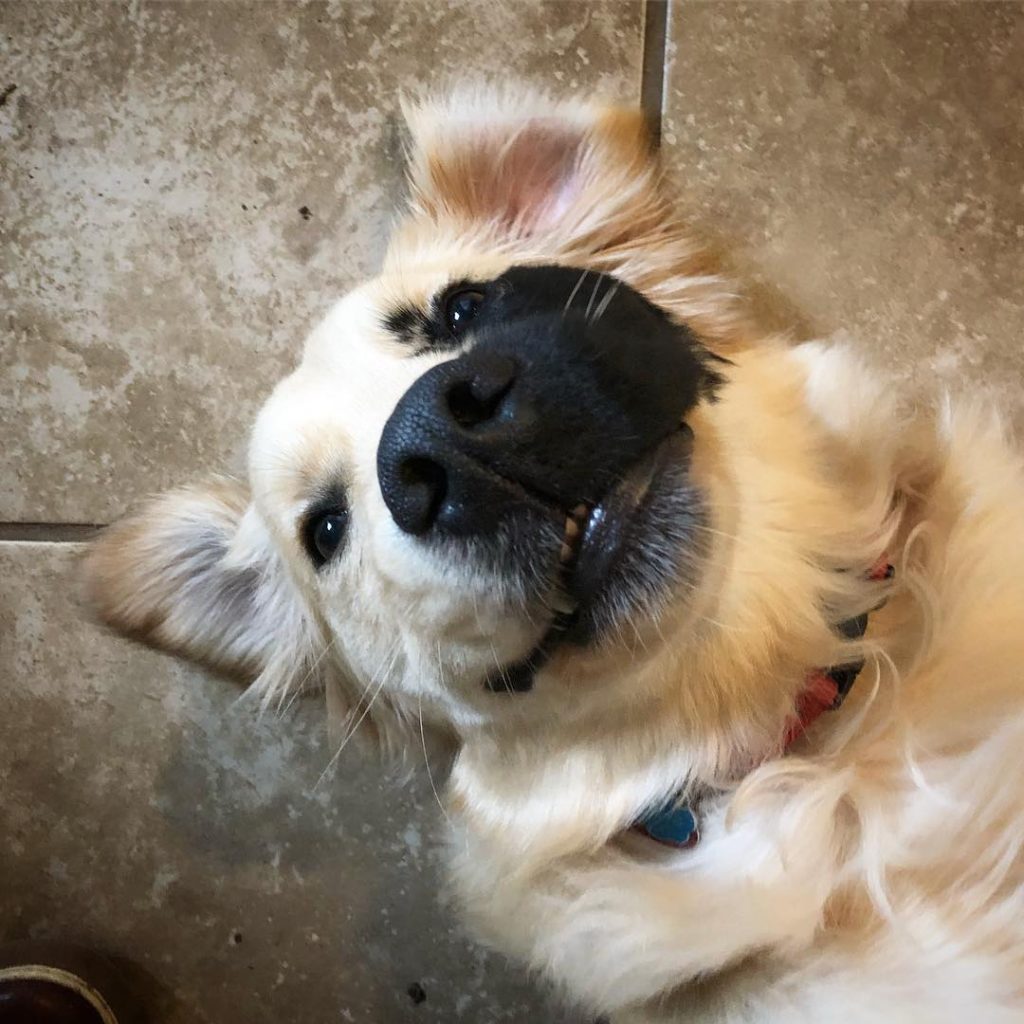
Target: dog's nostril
pixel 422 472
pixel 470 409
pixel 424 484
pixel 477 400
pixel 436 453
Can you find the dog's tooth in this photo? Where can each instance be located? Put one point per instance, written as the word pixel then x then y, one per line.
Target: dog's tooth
pixel 580 512
pixel 566 553
pixel 572 529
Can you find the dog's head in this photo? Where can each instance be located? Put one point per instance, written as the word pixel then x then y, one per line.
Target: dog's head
pixel 496 484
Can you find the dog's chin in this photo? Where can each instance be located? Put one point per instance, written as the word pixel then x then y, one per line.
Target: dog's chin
pixel 622 562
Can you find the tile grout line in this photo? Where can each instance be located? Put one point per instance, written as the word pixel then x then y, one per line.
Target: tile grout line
pixel 652 64
pixel 48 533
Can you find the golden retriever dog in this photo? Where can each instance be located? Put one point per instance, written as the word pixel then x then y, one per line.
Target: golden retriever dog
pixel 726 645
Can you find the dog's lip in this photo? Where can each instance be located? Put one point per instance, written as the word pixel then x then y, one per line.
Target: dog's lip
pixel 607 532
pixel 593 542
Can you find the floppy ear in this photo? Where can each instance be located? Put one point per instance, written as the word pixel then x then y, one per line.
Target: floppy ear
pixel 558 181
pixel 194 573
pixel 523 163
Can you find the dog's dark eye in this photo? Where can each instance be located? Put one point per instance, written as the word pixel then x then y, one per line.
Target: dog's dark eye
pixel 461 307
pixel 324 533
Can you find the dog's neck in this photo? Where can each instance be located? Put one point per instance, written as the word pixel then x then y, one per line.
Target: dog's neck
pixel 720 699
pixel 540 784
pixel 676 823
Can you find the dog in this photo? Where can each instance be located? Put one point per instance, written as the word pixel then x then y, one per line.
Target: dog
pixel 724 641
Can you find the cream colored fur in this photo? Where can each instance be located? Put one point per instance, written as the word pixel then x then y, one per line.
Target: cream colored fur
pixel 874 872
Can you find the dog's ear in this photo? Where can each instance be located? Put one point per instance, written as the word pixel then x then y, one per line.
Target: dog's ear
pixel 194 573
pixel 525 165
pixel 559 181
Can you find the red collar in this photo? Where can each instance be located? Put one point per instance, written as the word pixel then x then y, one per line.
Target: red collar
pixel 678 825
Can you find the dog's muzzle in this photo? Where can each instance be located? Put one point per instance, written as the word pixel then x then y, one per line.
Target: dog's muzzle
pixel 548 409
pixel 556 444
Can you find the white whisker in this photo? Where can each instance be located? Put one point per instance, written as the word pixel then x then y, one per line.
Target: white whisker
pixel 593 295
pixel 602 306
pixel 572 294
pixel 384 673
pixel 423 742
pixel 297 691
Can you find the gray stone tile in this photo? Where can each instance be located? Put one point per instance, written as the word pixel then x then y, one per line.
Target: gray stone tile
pixel 147 813
pixel 157 272
pixel 863 161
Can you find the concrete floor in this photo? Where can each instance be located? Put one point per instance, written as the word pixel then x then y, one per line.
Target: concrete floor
pixel 862 161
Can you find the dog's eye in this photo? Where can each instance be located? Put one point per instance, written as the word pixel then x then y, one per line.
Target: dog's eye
pixel 324 533
pixel 462 306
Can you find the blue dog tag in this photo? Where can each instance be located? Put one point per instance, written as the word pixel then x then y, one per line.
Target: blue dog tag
pixel 670 824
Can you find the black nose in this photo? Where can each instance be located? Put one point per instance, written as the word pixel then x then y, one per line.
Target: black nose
pixel 424 475
pixel 548 408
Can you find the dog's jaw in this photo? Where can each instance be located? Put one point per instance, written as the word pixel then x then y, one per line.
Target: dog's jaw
pixel 620 561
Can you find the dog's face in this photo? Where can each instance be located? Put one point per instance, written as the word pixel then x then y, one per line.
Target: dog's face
pixel 481 478
pixel 492 486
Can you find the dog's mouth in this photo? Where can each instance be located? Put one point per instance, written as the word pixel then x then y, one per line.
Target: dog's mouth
pixel 602 546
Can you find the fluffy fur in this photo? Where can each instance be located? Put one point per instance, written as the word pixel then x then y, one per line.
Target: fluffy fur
pixel 872 873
